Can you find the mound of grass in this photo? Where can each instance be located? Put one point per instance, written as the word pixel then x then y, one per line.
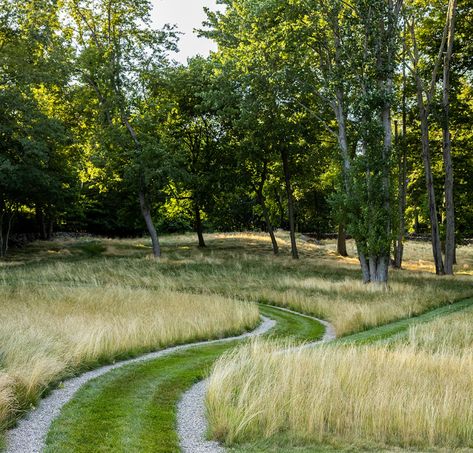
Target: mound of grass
pixel 50 332
pixel 406 385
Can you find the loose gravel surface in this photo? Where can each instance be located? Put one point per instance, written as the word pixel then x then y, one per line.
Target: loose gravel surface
pixel 192 423
pixel 30 434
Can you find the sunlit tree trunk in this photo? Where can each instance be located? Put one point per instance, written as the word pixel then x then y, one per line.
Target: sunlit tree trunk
pixel 447 145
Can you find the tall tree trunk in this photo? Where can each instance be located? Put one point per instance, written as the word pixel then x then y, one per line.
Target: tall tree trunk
pixel 267 220
pixel 198 224
pixel 423 108
pixel 146 212
pixel 429 181
pixel 402 166
pixel 447 145
pixel 290 201
pixel 144 202
pixel 342 240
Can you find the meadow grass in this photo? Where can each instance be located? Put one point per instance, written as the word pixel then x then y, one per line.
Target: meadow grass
pixel 70 304
pixel 242 266
pixel 348 395
pixel 50 332
pixel 408 386
pixel 452 335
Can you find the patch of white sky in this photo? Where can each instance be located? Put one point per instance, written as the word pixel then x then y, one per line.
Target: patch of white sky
pixel 188 15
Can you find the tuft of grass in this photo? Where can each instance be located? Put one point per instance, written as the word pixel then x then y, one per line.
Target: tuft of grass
pixel 453 335
pixel 91 248
pixel 343 394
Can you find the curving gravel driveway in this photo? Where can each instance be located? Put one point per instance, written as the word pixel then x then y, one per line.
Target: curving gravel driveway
pixel 29 435
pixel 191 419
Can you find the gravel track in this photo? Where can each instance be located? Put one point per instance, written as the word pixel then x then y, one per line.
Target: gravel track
pixel 29 435
pixel 192 423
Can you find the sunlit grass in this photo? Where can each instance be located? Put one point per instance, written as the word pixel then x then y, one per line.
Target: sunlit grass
pixel 453 334
pixel 70 303
pixel 351 396
pixel 48 332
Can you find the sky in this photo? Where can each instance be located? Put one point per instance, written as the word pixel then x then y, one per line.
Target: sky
pixel 187 15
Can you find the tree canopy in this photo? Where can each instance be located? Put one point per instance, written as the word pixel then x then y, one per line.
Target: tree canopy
pixel 324 117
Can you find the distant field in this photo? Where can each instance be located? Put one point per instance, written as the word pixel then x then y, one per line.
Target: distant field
pixel 70 304
pixel 241 265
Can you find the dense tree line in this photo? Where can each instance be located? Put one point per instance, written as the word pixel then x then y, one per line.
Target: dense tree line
pixel 314 116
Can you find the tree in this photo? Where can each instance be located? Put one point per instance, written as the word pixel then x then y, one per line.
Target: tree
pixel 118 53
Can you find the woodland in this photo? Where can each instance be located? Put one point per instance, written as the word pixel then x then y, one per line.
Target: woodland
pixel 348 118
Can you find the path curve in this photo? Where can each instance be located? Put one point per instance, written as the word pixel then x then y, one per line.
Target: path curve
pixel 29 436
pixel 192 423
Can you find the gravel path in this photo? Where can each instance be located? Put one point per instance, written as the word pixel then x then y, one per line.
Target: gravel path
pixel 30 434
pixel 191 419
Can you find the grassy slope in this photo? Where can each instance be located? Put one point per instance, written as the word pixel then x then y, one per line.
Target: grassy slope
pixel 133 409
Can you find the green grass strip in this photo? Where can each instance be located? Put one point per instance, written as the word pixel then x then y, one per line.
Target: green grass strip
pixel 398 328
pixel 133 409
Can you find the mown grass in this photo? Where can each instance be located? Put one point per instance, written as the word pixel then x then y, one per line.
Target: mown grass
pixel 133 409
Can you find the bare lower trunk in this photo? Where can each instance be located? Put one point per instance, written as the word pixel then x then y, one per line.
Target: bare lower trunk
pixel 5 236
pixel 375 268
pixel 402 182
pixel 429 181
pixel 447 147
pixel 269 225
pixel 365 268
pixel 198 225
pixel 342 241
pixel 146 212
pixel 424 107
pixel 402 187
pixel 50 229
pixel 290 203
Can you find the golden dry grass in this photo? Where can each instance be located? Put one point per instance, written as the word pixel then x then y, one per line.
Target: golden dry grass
pixel 49 332
pixel 453 335
pixel 241 265
pixel 344 396
pixel 73 299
